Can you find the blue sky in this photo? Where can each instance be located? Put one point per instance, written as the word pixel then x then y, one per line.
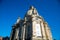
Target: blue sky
pixel 10 10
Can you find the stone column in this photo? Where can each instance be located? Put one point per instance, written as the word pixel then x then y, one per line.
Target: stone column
pixel 43 31
pixel 48 33
pixel 24 28
pixel 16 34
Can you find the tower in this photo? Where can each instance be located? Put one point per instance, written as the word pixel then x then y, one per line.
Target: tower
pixel 32 27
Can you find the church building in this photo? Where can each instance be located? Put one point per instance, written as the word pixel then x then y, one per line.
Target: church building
pixel 32 27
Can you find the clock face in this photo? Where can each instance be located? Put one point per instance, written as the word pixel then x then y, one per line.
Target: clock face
pixel 29 12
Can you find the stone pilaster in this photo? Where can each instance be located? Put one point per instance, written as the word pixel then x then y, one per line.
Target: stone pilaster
pixel 48 32
pixel 43 31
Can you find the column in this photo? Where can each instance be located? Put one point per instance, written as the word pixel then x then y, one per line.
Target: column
pixel 48 33
pixel 43 31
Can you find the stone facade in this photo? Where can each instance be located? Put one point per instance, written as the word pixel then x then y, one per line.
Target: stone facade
pixel 32 27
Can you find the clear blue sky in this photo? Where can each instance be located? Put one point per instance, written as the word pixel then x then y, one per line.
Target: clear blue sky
pixel 11 9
